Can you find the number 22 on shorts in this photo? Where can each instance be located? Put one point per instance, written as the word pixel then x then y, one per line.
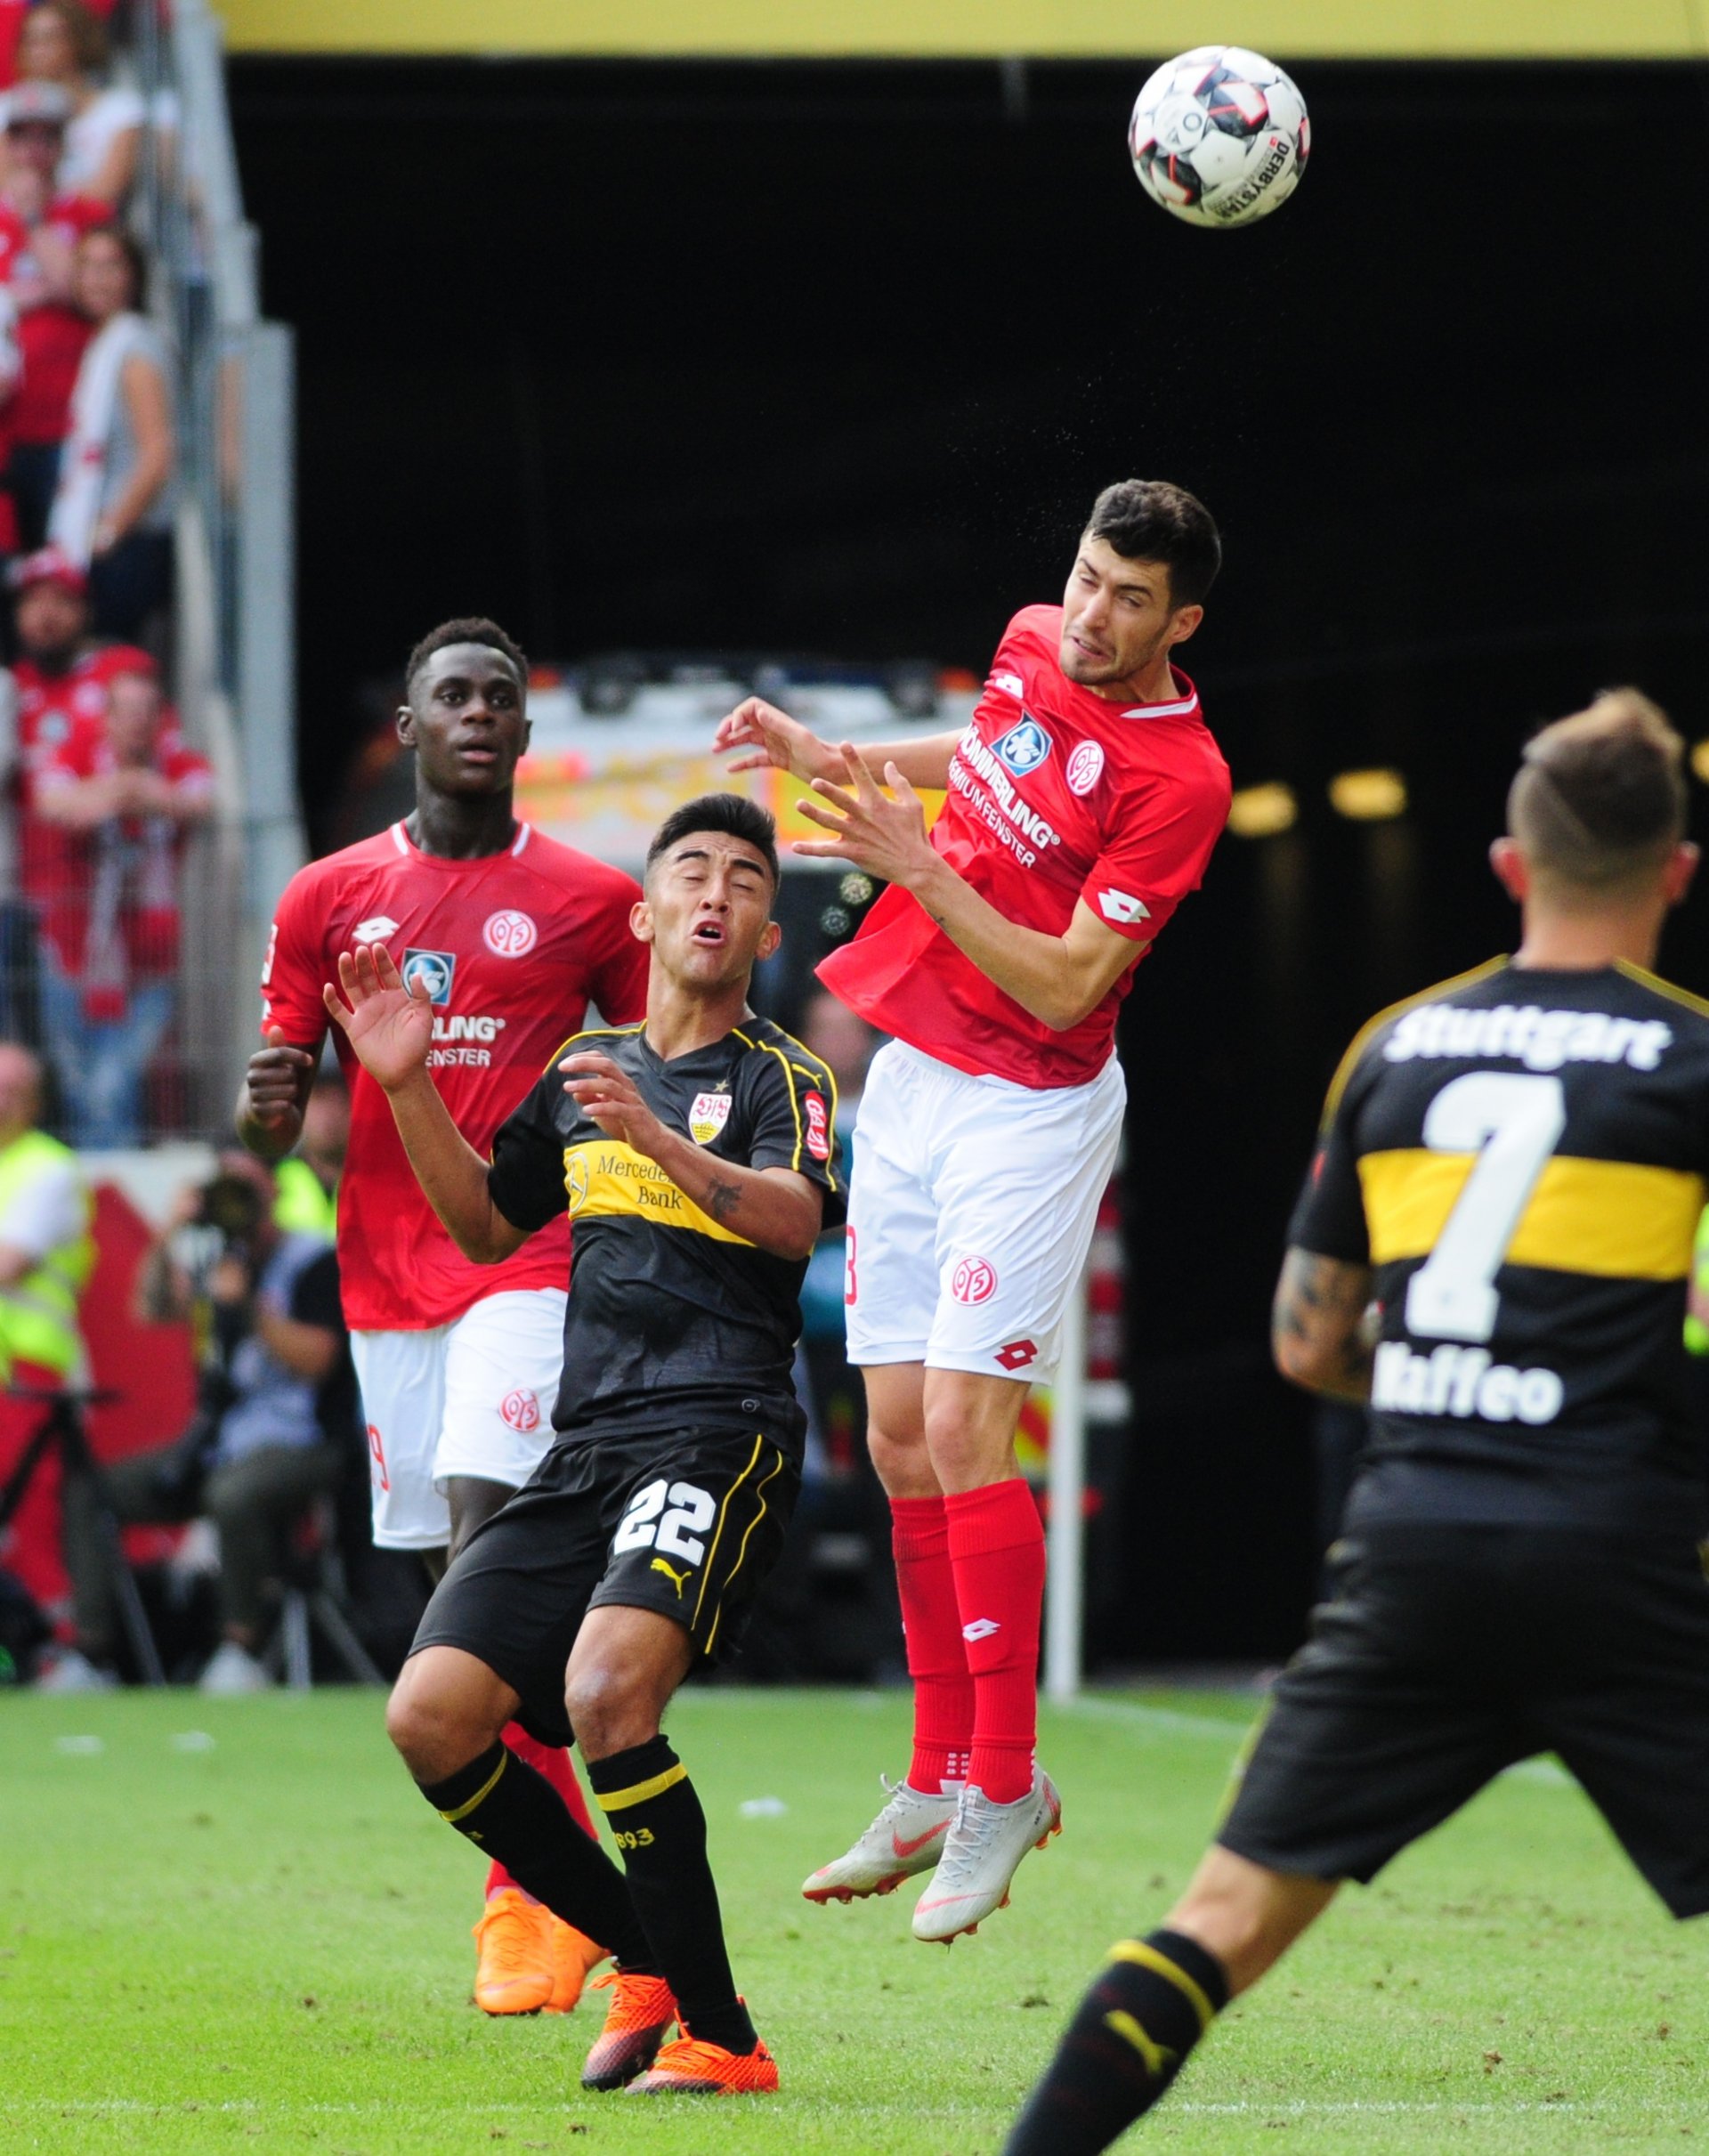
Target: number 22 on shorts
pixel 678 1533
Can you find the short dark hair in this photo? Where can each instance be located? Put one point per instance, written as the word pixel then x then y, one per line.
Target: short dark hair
pixel 732 814
pixel 466 628
pixel 136 260
pixel 1147 520
pixel 1600 798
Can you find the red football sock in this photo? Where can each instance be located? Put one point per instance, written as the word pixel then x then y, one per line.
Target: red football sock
pixel 931 1623
pixel 551 1761
pixel 997 1550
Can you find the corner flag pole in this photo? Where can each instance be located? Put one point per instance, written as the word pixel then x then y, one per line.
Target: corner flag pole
pixel 1066 1536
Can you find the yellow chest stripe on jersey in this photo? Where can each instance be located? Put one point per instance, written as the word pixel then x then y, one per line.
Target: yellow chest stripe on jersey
pixel 605 1179
pixel 1613 1218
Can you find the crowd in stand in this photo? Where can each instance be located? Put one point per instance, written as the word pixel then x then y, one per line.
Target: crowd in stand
pixel 99 790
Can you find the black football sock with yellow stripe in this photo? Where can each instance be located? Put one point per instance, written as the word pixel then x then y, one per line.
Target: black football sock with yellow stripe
pixel 1154 2000
pixel 511 1812
pixel 657 1822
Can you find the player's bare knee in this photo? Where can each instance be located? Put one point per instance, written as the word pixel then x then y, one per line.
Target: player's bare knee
pixel 609 1708
pixel 901 1461
pixel 433 1733
pixel 966 1454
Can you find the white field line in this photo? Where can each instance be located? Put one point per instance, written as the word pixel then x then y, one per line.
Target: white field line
pixel 1544 1772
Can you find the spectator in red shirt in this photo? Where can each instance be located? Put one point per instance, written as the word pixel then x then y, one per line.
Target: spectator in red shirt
pixel 40 226
pixel 64 43
pixel 122 796
pixel 61 674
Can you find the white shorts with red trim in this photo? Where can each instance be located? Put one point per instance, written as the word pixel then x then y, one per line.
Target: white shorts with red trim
pixel 473 1397
pixel 971 1209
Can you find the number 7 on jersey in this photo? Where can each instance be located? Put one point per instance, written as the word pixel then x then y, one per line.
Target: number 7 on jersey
pixel 1513 1122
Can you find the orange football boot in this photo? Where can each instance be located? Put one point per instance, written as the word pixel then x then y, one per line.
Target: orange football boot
pixel 516 1972
pixel 690 2068
pixel 574 1956
pixel 638 2020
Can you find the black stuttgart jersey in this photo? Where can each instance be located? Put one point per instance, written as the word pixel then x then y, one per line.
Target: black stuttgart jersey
pixel 1521 1155
pixel 674 1320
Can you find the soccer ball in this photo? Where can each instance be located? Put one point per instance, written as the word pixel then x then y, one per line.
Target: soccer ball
pixel 1220 136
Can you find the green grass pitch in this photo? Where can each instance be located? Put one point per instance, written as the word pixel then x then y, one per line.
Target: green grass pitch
pixel 262 1943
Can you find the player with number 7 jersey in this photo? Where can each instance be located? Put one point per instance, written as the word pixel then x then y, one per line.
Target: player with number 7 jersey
pixel 1492 1249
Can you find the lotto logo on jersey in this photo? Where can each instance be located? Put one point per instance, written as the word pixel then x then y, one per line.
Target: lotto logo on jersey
pixel 1122 908
pixel 1017 1354
pixel 377 928
pixel 520 1408
pixel 818 1126
pixel 434 970
pixel 509 934
pixel 974 1280
pixel 1085 768
pixel 1011 684
pixel 707 1116
pixel 1023 748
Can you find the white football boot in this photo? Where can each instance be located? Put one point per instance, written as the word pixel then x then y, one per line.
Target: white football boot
pixel 907 1836
pixel 981 1855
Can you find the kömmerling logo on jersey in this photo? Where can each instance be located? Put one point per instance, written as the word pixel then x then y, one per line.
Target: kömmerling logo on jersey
pixel 434 970
pixel 1024 747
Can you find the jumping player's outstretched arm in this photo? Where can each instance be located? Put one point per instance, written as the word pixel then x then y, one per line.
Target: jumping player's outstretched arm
pixel 784 744
pixel 1320 1330
pixel 1059 980
pixel 391 1028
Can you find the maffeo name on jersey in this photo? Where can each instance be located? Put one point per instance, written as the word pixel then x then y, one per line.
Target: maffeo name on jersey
pixel 1458 1381
pixel 465 1040
pixel 1540 1040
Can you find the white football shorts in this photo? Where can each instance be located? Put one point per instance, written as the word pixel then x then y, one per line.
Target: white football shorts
pixel 971 1209
pixel 473 1397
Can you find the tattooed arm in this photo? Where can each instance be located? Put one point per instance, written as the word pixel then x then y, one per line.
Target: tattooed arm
pixel 1321 1331
pixel 774 1208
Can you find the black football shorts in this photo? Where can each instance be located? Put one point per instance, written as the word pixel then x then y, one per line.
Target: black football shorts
pixel 688 1523
pixel 1447 1653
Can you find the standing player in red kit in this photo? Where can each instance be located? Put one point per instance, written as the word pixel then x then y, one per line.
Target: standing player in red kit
pixel 1084 798
pixel 512 936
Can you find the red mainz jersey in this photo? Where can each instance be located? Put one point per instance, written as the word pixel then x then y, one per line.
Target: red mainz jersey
pixel 1055 795
pixel 512 947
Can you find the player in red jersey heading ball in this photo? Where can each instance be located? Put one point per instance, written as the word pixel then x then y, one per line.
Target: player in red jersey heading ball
pixel 512 936
pixel 1084 798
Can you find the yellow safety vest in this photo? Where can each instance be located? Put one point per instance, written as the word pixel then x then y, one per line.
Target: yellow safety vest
pixel 303 1207
pixel 1697 1334
pixel 39 1314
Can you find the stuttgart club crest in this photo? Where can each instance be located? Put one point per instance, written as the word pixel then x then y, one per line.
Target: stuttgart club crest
pixel 707 1116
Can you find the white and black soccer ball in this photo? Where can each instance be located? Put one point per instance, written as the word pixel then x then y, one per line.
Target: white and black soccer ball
pixel 1220 136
